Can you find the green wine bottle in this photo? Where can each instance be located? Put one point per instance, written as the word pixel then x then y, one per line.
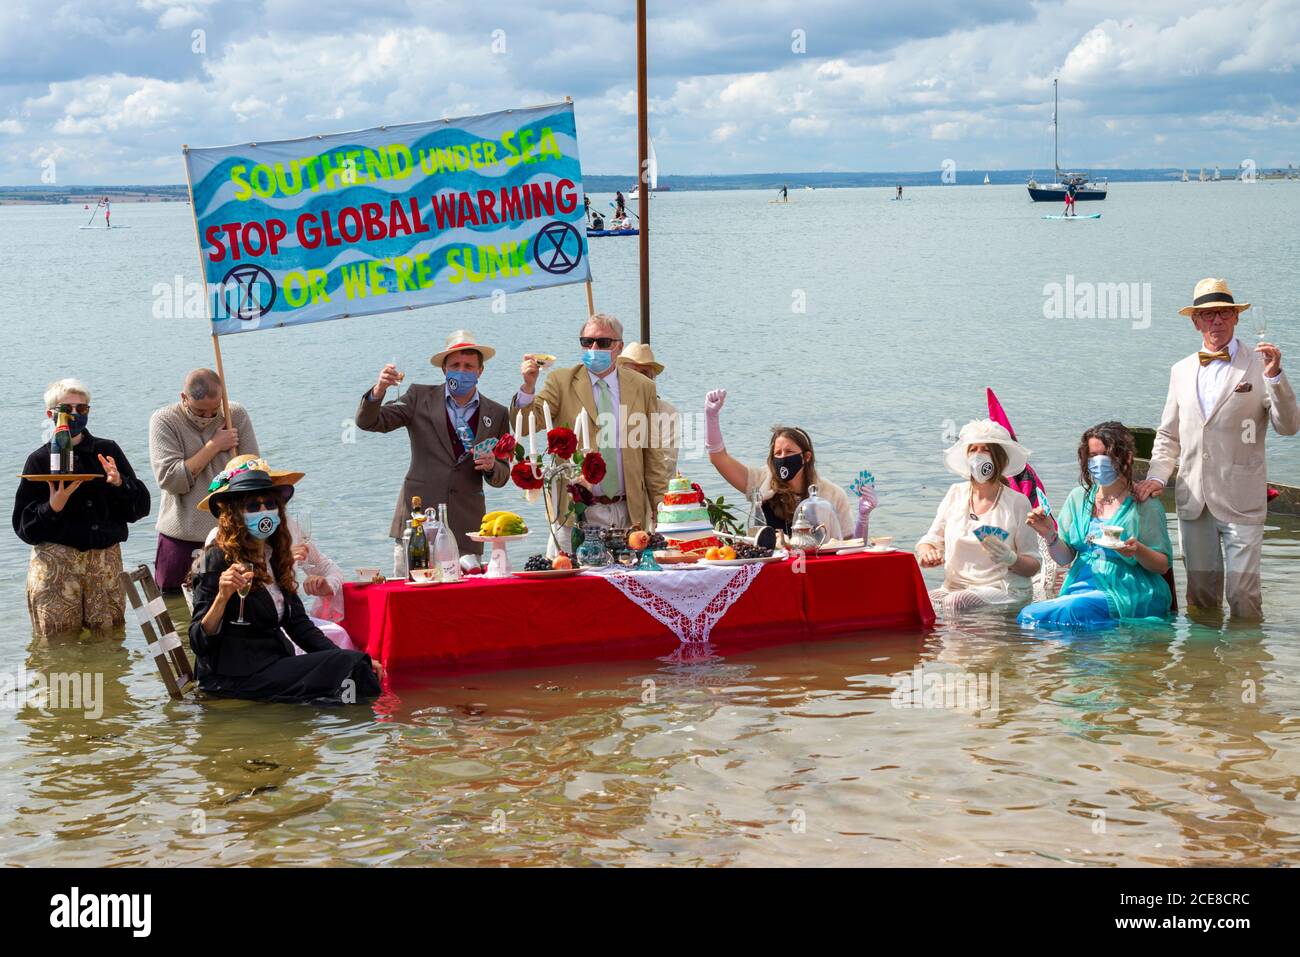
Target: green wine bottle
pixel 61 462
pixel 417 550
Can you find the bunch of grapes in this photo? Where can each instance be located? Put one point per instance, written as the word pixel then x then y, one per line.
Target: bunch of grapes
pixel 537 563
pixel 746 550
pixel 657 542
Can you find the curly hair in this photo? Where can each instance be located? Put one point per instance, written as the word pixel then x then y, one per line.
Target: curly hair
pixel 784 498
pixel 236 544
pixel 1119 444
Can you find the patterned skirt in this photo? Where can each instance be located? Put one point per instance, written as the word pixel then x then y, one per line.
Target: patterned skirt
pixel 68 590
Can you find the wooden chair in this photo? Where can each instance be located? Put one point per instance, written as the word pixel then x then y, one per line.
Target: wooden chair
pixel 159 632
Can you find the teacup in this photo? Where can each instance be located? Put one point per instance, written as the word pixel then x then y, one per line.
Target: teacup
pixel 422 574
pixel 367 575
pixel 882 541
pixel 1112 532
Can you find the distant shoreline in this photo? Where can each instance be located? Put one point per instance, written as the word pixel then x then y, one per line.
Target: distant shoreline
pixel 606 183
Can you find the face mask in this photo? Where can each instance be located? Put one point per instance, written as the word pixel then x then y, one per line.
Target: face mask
pixel 77 423
pixel 788 466
pixel 461 383
pixel 597 360
pixel 262 525
pixel 200 422
pixel 981 467
pixel 1102 469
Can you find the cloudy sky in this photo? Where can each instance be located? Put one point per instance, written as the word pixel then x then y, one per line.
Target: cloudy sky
pixel 111 89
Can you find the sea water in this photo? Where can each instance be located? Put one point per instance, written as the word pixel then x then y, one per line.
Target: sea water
pixel 876 326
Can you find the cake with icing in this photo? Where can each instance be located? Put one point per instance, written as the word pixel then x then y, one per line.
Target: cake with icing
pixel 683 513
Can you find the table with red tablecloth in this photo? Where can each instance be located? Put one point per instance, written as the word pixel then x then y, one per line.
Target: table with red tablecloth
pixel 486 624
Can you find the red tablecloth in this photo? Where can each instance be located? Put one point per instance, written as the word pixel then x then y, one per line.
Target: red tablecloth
pixel 486 624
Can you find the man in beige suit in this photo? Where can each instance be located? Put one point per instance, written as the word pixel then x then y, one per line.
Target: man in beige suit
pixel 1221 401
pixel 443 423
pixel 621 404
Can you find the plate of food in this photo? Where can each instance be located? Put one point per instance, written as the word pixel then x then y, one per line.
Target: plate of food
pixel 741 554
pixel 675 557
pixel 837 545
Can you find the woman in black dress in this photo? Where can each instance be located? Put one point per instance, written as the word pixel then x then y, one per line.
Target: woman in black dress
pixel 243 647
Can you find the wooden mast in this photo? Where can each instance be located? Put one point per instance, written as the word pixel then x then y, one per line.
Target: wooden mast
pixel 642 150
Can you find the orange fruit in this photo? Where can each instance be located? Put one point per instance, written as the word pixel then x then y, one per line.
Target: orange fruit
pixel 638 540
pixel 726 552
pixel 561 561
pixel 712 554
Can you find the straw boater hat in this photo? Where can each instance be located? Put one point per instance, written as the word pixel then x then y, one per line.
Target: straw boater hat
pixel 240 465
pixel 1212 294
pixel 640 354
pixel 460 341
pixel 986 432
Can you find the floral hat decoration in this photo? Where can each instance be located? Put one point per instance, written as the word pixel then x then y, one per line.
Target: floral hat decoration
pixel 246 463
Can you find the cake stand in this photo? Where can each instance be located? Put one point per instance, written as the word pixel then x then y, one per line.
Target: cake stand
pixel 499 564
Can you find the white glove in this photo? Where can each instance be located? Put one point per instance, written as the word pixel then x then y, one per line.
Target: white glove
pixel 999 550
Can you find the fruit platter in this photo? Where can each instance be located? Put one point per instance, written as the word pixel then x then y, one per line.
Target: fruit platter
pixel 499 529
pixel 539 566
pixel 740 553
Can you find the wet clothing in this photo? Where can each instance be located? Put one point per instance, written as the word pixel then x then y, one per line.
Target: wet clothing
pixel 258 660
pixel 72 578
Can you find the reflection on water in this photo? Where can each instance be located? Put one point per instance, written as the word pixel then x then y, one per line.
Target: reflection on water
pixel 1148 745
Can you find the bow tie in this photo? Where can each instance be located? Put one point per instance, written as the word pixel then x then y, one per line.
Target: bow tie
pixel 1208 357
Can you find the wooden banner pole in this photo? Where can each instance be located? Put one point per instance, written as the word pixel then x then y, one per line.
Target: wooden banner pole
pixel 207 302
pixel 642 149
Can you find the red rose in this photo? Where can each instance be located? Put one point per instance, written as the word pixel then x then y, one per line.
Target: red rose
pixel 696 487
pixel 522 475
pixel 561 442
pixel 581 494
pixel 593 468
pixel 505 447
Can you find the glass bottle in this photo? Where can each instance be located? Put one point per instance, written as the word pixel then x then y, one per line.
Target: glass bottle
pixel 400 551
pixel 417 549
pixel 61 446
pixel 445 552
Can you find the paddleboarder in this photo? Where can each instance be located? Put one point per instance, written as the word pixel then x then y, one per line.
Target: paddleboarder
pixel 900 191
pixel 1069 198
pixel 620 211
pixel 785 193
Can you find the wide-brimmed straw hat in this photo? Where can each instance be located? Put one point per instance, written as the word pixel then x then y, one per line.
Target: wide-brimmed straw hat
pixel 241 465
pixel 1212 294
pixel 462 340
pixel 640 354
pixel 986 432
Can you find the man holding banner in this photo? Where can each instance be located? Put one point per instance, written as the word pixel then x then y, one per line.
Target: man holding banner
pixel 444 422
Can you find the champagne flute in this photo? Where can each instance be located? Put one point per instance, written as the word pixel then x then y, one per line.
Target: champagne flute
pixel 400 374
pixel 302 521
pixel 1259 322
pixel 243 591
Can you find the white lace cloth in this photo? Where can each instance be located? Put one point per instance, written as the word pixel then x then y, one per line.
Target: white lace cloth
pixel 688 603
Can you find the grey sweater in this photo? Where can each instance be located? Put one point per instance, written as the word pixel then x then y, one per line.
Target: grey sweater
pixel 172 440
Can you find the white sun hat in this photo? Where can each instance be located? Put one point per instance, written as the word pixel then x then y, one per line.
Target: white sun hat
pixel 986 432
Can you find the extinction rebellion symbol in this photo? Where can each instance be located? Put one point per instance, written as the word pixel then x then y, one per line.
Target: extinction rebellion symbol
pixel 557 248
pixel 265 525
pixel 247 292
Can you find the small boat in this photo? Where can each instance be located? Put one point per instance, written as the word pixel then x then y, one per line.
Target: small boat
pixel 614 232
pixel 1185 179
pixel 986 179
pixel 1282 499
pixel 652 174
pixel 1055 192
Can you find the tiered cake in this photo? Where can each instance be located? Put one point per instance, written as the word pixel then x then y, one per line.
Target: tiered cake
pixel 683 517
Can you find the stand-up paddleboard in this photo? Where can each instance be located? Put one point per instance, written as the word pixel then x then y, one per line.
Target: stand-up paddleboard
pixel 613 232
pixel 104 227
pixel 1080 216
pixel 780 202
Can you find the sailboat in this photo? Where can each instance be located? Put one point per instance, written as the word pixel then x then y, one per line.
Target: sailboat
pixel 986 179
pixel 1055 192
pixel 1202 174
pixel 1216 174
pixel 652 174
pixel 1185 176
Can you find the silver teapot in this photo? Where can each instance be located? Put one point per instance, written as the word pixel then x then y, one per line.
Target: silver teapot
pixel 814 522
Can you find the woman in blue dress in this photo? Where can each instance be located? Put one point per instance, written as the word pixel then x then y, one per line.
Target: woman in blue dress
pixel 1112 578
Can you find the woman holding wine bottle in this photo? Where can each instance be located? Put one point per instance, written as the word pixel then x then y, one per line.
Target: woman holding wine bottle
pixel 76 528
pixel 241 645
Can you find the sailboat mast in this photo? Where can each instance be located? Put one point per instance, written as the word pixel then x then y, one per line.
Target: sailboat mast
pixel 1056 135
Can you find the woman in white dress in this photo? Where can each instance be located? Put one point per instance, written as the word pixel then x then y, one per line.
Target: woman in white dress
pixel 986 569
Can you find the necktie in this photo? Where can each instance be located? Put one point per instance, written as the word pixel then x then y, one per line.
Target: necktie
pixel 1208 357
pixel 605 406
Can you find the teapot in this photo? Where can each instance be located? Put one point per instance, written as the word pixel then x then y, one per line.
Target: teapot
pixel 814 522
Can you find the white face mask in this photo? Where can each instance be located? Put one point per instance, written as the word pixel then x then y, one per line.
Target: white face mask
pixel 981 467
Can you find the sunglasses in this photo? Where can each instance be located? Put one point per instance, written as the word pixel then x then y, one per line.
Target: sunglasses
pixel 260 504
pixel 603 342
pixel 82 408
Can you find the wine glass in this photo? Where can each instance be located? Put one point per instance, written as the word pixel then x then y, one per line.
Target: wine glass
pixel 400 374
pixel 302 521
pixel 1259 323
pixel 243 591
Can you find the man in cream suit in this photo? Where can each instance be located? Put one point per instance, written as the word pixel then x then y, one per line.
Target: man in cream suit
pixel 1221 401
pixel 620 404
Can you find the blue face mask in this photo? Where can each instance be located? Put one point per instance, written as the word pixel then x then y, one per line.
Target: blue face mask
pixel 262 525
pixel 77 423
pixel 597 360
pixel 1102 469
pixel 461 383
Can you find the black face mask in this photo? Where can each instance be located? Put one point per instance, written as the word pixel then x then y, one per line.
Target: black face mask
pixel 788 466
